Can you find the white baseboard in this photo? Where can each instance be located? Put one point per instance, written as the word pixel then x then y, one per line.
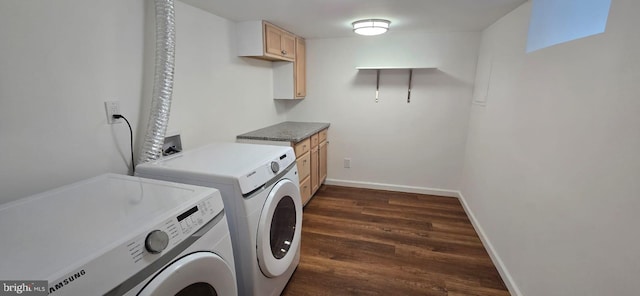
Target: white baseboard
pixel 392 187
pixel 502 269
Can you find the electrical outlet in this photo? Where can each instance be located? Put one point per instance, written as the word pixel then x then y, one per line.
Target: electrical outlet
pixel 112 107
pixel 347 163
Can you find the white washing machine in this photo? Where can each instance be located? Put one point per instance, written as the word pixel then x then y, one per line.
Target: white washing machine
pixel 259 186
pixel 120 235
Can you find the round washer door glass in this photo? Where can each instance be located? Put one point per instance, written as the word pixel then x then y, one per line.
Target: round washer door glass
pixel 200 273
pixel 280 228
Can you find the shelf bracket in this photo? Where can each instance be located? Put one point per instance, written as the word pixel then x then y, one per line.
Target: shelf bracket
pixel 378 69
pixel 409 92
pixel 377 83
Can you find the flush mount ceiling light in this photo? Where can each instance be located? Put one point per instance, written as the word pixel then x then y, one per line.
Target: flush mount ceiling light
pixel 371 27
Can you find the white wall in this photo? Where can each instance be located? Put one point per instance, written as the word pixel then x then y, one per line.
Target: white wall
pixel 552 165
pixel 59 62
pixel 412 147
pixel 217 95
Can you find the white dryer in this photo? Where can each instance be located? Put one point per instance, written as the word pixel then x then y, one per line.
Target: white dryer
pixel 120 235
pixel 259 186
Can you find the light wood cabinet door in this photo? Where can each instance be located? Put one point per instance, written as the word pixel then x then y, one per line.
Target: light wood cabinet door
pixel 288 46
pixel 272 39
pixel 305 190
pixel 301 69
pixel 314 140
pixel 322 135
pixel 322 161
pixel 303 147
pixel 315 169
pixel 304 166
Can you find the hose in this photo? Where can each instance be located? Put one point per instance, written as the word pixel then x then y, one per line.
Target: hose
pixel 162 84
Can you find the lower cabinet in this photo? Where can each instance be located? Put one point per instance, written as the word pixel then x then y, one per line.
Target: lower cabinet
pixel 311 154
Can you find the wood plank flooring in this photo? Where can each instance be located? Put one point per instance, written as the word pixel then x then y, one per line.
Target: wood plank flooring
pixel 371 242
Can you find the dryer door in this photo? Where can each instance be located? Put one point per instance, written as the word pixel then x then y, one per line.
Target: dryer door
pixel 200 273
pixel 278 238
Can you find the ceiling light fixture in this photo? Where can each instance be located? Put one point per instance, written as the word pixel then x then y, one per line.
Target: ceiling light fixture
pixel 371 27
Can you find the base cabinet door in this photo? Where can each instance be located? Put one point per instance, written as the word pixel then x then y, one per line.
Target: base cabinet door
pixel 304 166
pixel 305 190
pixel 315 169
pixel 322 161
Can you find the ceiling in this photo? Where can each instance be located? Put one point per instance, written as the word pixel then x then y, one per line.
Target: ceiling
pixel 333 18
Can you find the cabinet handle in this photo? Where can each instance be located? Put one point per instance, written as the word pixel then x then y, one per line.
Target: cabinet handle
pixel 284 51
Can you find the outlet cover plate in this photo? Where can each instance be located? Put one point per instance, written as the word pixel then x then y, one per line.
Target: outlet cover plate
pixel 112 107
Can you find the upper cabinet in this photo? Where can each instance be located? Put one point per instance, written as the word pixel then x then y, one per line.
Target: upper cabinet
pixel 279 44
pixel 263 40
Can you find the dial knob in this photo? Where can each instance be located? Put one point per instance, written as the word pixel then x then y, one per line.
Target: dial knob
pixel 156 241
pixel 275 167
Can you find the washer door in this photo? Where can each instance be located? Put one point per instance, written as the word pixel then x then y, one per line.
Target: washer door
pixel 279 229
pixel 200 273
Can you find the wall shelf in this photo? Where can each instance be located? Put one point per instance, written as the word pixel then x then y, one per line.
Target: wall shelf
pixel 393 68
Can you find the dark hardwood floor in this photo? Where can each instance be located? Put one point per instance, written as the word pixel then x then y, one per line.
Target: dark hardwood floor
pixel 371 242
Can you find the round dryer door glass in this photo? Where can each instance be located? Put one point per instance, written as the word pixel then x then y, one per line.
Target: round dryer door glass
pixel 198 289
pixel 283 227
pixel 279 229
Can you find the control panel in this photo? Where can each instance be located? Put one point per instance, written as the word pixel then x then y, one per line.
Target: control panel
pixel 264 173
pixel 173 231
pixel 141 250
